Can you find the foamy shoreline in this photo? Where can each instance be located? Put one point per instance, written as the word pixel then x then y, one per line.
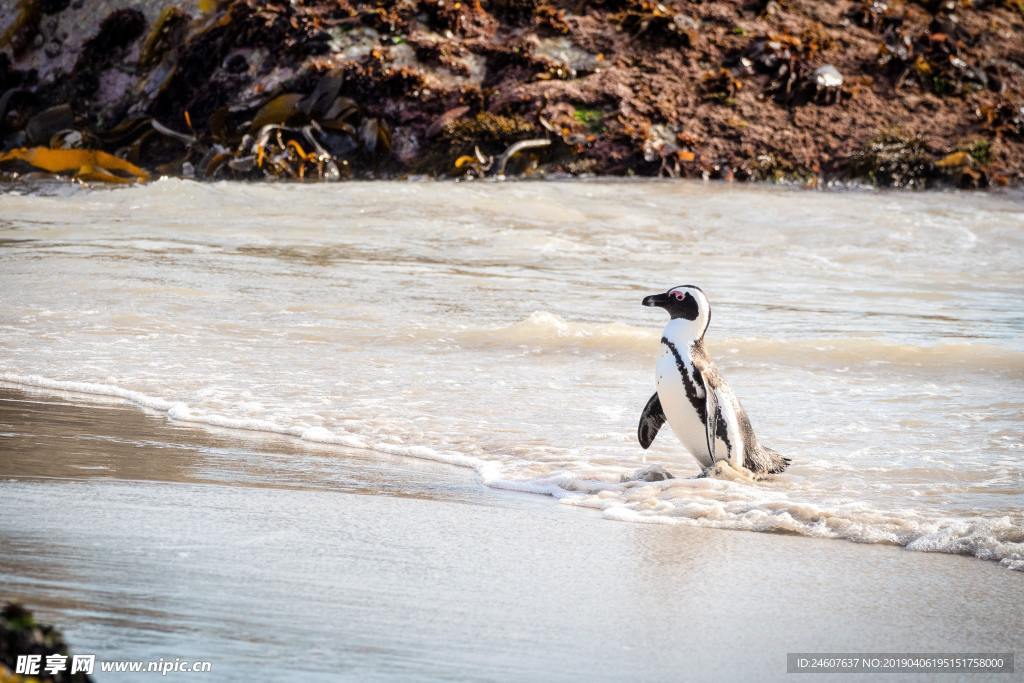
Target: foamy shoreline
pixel 714 502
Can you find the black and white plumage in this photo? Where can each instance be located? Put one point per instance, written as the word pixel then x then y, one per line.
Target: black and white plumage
pixel 693 397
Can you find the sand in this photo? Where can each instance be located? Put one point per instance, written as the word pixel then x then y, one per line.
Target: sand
pixel 144 539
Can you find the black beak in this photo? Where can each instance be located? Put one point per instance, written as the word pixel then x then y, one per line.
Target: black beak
pixel 656 300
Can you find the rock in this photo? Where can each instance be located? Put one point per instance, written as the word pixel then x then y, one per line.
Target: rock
pixel 651 473
pixel 21 634
pixel 828 76
pixel 620 88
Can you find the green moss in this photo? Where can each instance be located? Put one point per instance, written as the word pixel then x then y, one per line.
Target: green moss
pixel 980 151
pixel 593 119
pixel 16 618
pixel 941 86
pixel 488 131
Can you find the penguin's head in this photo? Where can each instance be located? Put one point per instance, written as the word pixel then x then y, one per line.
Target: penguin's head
pixel 687 304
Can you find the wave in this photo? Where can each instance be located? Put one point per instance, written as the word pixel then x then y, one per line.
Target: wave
pixel 723 505
pixel 179 411
pixel 726 500
pixel 548 332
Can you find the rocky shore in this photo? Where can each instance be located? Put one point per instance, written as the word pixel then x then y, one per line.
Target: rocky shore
pixel 904 94
pixel 20 636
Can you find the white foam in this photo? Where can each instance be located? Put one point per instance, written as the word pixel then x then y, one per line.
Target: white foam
pixel 1000 539
pixel 91 388
pixel 182 412
pixel 726 500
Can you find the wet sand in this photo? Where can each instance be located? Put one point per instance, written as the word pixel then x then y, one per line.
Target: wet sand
pixel 275 558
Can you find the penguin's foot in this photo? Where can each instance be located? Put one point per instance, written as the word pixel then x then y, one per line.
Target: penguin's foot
pixel 721 469
pixel 650 473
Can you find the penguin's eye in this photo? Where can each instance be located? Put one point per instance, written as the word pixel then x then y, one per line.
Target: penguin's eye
pixel 678 296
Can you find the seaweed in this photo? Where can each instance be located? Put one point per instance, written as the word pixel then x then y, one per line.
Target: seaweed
pixel 167 31
pixel 87 164
pixel 934 60
pixel 786 63
pixel 894 159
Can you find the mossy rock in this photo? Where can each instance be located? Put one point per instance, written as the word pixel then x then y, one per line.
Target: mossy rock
pixel 892 159
pixel 492 133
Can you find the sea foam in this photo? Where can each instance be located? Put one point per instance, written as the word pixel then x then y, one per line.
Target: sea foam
pixel 725 500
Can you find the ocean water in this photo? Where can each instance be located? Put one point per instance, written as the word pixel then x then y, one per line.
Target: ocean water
pixel 875 339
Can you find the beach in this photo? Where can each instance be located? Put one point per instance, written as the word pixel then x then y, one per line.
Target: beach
pixel 389 430
pixel 270 559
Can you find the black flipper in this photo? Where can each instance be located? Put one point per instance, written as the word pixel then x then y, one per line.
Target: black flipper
pixel 711 418
pixel 650 421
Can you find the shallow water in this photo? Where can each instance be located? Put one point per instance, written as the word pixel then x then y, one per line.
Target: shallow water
pixel 875 339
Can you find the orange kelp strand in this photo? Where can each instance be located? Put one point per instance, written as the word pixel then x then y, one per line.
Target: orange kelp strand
pixel 102 175
pixel 954 160
pixel 298 150
pixel 86 161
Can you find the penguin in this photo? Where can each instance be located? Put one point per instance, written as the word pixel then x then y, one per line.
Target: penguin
pixel 693 397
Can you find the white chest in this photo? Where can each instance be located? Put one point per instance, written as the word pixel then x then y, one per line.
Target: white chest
pixel 680 413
